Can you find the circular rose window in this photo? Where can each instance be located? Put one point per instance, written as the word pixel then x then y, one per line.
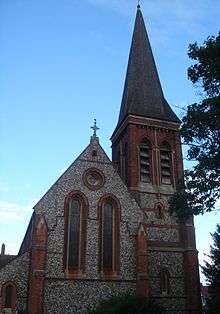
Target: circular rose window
pixel 93 178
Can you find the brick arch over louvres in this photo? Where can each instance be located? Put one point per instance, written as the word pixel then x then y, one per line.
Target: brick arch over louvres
pixel 76 209
pixel 8 295
pixel 109 216
pixel 145 160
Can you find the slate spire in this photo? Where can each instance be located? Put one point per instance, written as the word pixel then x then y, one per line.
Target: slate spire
pixel 143 95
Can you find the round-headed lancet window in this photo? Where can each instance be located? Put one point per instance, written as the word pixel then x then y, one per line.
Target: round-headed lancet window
pixel 93 178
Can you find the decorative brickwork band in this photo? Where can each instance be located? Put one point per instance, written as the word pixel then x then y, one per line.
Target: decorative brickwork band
pixel 37 265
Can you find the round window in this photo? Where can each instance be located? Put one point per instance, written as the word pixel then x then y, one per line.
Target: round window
pixel 93 178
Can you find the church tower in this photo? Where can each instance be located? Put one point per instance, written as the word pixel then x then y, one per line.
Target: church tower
pixel 146 150
pixel 104 228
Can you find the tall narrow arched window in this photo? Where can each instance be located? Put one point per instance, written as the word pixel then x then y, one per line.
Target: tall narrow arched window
pixel 166 164
pixel 145 158
pixel 109 219
pixel 107 235
pixel 164 282
pixel 74 233
pixel 9 296
pixel 76 211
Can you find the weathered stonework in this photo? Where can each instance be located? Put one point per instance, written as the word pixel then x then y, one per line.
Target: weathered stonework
pixel 76 297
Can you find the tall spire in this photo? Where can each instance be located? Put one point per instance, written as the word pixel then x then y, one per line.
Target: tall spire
pixel 143 95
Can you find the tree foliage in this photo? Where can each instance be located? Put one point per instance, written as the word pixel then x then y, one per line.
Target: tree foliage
pixel 201 131
pixel 127 304
pixel 211 270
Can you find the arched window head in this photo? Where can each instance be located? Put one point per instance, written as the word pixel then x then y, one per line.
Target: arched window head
pixel 109 217
pixel 145 158
pixel 164 282
pixel 76 211
pixel 166 164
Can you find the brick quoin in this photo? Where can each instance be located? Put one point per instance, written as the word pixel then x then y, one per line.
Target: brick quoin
pixel 142 263
pixel 37 266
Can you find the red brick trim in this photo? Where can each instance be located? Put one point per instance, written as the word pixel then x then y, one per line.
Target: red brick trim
pixel 84 217
pixel 114 272
pixel 192 281
pixel 153 225
pixel 163 244
pixel 38 260
pixel 142 263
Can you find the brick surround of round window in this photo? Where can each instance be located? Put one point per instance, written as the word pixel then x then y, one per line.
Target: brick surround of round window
pixel 93 178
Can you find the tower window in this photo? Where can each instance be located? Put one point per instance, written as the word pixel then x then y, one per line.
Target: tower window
pixel 166 164
pixel 165 282
pixel 145 161
pixel 159 211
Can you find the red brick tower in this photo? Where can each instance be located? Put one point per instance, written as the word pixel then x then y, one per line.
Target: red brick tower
pixel 146 150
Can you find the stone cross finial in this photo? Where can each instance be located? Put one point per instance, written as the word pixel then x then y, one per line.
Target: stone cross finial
pixel 138 5
pixel 94 128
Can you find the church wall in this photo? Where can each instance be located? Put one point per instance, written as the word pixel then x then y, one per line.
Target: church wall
pixel 52 205
pixel 60 289
pixel 17 272
pixel 75 297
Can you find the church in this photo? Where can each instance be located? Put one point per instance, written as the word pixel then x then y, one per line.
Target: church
pixel 104 227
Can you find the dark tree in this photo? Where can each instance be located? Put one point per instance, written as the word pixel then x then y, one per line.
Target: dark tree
pixel 127 304
pixel 211 270
pixel 201 131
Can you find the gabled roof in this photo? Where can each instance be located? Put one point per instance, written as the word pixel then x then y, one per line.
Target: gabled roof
pixel 143 95
pixel 5 259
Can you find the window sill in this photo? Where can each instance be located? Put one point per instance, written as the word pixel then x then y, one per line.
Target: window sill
pixel 109 275
pixel 74 274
